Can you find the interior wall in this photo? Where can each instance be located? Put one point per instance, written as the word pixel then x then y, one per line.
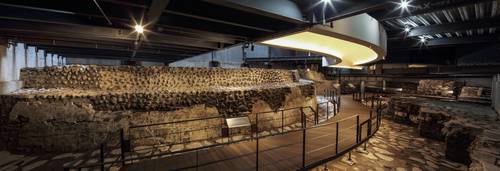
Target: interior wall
pixel 229 58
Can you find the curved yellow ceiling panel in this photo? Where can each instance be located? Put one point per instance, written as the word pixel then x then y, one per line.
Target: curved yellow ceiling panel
pixel 349 51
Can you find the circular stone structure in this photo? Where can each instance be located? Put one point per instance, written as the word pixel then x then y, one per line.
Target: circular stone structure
pixel 75 108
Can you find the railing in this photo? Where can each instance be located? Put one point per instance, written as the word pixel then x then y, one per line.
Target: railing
pixel 307 157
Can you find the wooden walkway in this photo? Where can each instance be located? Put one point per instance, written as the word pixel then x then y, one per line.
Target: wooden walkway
pixel 280 152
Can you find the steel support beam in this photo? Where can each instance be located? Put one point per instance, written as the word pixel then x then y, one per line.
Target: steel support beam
pixel 454 27
pixel 411 43
pixel 425 7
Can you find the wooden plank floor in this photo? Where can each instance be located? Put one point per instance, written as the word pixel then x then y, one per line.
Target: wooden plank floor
pixel 280 152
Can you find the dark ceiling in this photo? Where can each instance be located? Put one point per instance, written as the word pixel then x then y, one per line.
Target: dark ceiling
pixel 178 29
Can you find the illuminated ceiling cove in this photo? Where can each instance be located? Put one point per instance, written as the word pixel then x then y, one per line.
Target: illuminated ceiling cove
pixel 348 50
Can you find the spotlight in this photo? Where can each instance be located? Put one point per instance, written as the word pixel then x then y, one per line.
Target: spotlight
pixel 404 4
pixel 326 1
pixel 422 40
pixel 139 28
pixel 407 29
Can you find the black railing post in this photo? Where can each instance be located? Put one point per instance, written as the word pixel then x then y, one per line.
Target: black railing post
pixel 357 129
pixel 369 128
pixel 327 110
pixel 101 156
pixel 257 141
pixel 316 117
pixel 197 163
pixel 316 114
pixel 340 104
pixel 282 121
pixel 337 138
pixel 122 146
pixel 303 147
pixel 373 100
pixel 334 108
pixel 302 118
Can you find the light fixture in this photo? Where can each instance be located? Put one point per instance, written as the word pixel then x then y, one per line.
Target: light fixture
pixel 139 29
pixel 326 1
pixel 422 40
pixel 407 29
pixel 404 4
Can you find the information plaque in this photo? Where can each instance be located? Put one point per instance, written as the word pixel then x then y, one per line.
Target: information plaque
pixel 238 122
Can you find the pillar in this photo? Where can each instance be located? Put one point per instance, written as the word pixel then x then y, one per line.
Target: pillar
pixel 7 68
pixel 41 58
pixel 64 61
pixel 48 59
pixel 31 57
pixel 19 59
pixel 54 59
pixel 6 61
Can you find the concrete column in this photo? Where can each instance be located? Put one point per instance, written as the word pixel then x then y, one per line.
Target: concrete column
pixel 7 69
pixel 6 61
pixel 31 57
pixel 48 60
pixel 41 58
pixel 19 59
pixel 54 59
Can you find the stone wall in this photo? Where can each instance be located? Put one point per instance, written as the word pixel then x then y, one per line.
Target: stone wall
pixel 76 108
pixel 140 78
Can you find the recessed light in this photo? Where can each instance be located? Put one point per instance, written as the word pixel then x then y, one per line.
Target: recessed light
pixel 139 28
pixel 404 4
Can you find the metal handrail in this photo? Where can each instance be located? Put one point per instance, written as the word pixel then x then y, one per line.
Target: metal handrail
pixel 338 154
pixel 123 159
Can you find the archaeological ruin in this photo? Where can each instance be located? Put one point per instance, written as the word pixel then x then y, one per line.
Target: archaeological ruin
pixel 75 108
pixel 230 85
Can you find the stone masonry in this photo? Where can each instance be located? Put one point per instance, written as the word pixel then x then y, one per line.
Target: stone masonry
pixel 75 108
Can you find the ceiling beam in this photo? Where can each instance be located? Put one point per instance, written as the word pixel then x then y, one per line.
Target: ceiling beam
pixel 26 13
pixel 97 33
pixel 62 43
pixel 73 55
pixel 424 7
pixel 454 27
pixel 65 51
pixel 412 43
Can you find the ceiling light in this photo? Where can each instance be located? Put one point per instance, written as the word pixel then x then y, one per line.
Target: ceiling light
pixel 407 29
pixel 139 28
pixel 423 40
pixel 404 4
pixel 326 1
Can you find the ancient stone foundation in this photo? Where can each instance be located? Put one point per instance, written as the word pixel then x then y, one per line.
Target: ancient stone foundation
pixel 75 108
pixel 469 130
